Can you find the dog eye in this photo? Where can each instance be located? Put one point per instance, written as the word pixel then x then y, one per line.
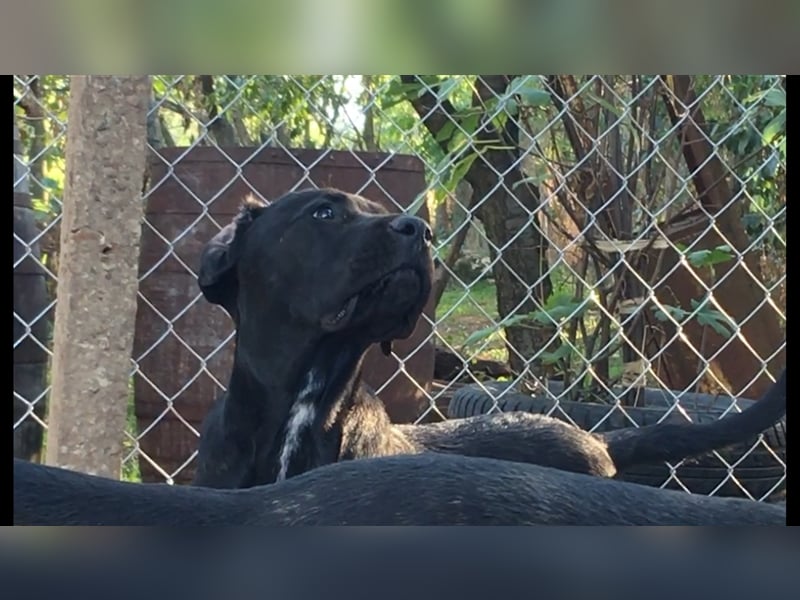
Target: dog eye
pixel 323 212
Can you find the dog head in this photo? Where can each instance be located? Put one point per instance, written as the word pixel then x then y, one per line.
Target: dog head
pixel 328 261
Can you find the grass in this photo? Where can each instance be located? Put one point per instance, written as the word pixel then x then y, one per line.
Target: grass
pixel 130 467
pixel 461 312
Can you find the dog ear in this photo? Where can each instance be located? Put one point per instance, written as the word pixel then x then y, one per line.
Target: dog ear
pixel 217 274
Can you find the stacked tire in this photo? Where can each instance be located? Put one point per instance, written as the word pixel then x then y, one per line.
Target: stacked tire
pixel 759 471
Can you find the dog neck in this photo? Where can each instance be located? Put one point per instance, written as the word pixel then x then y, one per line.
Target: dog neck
pixel 313 433
pixel 303 396
pixel 336 417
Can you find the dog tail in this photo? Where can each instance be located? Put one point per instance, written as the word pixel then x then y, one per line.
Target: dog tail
pixel 675 441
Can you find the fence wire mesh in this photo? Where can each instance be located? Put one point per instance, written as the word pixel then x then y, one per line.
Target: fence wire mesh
pixel 611 233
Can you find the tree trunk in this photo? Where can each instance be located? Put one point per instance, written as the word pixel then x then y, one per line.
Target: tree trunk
pixel 31 320
pixel 605 208
pixel 220 129
pixel 718 222
pixel 523 265
pixel 521 274
pixel 98 275
pixel 368 134
pixel 442 276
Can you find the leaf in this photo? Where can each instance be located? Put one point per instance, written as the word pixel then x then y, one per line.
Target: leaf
pixel 572 310
pixel 721 329
pixel 560 307
pixel 536 180
pixel 530 91
pixel 774 127
pixel 563 351
pixel 708 257
pixel 697 304
pixel 482 334
pixel 49 183
pixel 751 220
pixel 42 217
pixel 423 90
pixel 659 314
pixel 470 123
pixel 397 92
pixel 559 299
pixel 770 168
pixel 718 255
pixel 697 257
pixel 499 121
pixel 509 105
pixel 534 97
pixel 707 315
pixel 514 320
pixel 416 204
pixel 40 206
pixel 429 80
pixel 716 321
pixel 775 97
pixel 744 141
pixel 541 316
pixel 443 165
pixel 447 86
pixel 446 132
pixel 664 312
pixel 606 104
pixel 461 167
pixel 479 335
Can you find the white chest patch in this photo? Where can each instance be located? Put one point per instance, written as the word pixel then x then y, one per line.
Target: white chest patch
pixel 301 416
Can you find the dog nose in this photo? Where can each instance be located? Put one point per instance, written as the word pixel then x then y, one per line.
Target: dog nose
pixel 412 227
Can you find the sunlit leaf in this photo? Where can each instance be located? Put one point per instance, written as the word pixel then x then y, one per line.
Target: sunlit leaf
pixel 774 127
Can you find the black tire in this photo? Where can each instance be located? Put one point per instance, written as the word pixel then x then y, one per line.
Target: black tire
pixel 757 482
pixel 758 472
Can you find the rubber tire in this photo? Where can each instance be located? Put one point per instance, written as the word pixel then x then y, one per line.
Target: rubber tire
pixel 758 473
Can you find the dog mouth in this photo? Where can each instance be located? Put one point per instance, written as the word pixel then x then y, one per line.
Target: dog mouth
pixel 339 320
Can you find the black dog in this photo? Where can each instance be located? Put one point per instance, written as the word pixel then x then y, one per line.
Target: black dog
pixel 313 280
pixel 425 489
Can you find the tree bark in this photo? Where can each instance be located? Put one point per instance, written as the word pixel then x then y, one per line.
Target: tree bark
pixel 368 134
pixel 98 275
pixel 31 325
pixel 218 126
pixel 717 223
pixel 442 276
pixel 521 274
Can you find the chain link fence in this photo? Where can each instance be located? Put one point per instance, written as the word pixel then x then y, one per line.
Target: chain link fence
pixel 610 235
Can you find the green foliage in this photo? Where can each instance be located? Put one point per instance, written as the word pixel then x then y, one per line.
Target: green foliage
pixel 748 120
pixel 558 309
pixel 708 258
pixel 41 116
pixel 745 120
pixel 712 317
pixel 486 332
pixel 702 310
pixel 564 352
pixel 530 91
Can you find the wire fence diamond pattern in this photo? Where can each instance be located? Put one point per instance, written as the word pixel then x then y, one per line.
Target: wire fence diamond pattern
pixel 553 200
